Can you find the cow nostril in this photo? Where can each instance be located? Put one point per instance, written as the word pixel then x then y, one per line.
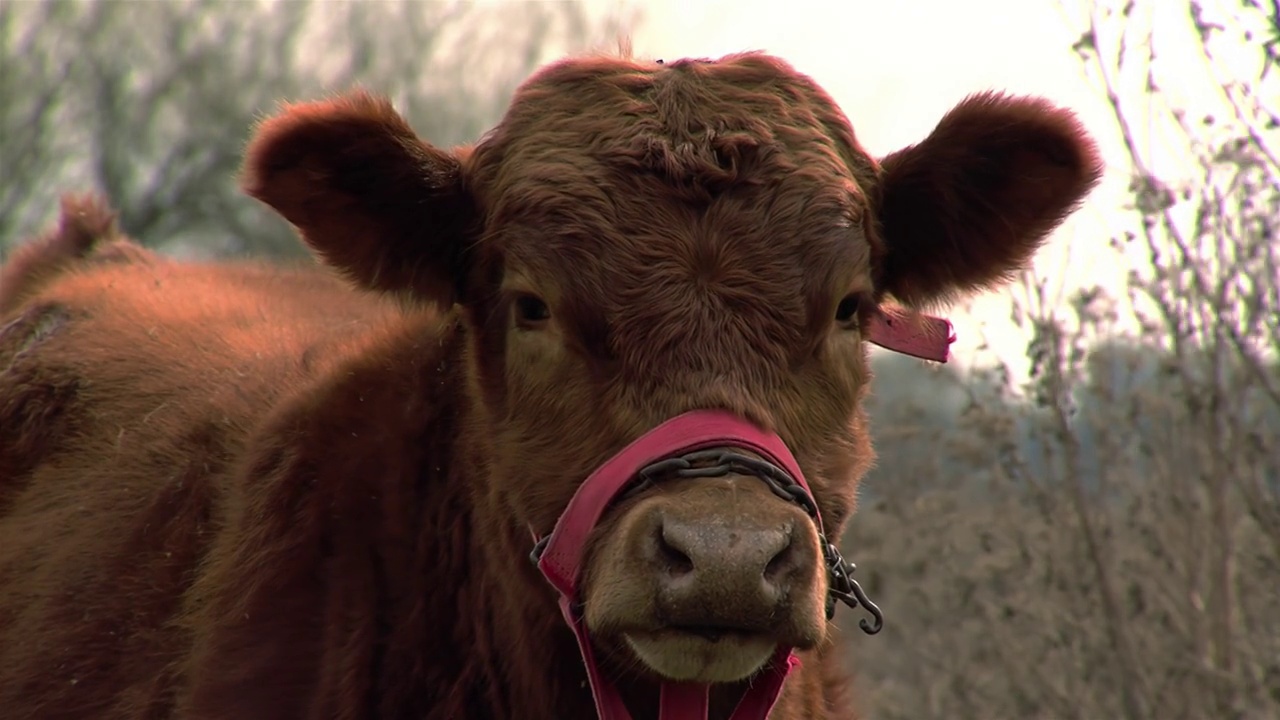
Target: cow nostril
pixel 784 563
pixel 675 560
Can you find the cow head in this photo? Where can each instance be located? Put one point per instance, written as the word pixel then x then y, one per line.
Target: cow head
pixel 634 241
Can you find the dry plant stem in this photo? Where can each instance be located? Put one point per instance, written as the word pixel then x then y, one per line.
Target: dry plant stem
pixel 1223 312
pixel 1133 688
pixel 1217 328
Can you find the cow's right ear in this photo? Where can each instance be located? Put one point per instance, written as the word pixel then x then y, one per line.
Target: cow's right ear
pixel 368 195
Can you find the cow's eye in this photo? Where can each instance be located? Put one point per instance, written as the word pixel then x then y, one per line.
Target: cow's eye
pixel 531 311
pixel 847 310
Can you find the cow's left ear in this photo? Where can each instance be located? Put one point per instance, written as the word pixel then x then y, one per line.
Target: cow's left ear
pixel 969 205
pixel 368 195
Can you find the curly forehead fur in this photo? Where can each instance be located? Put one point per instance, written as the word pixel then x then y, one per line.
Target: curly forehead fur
pixel 702 126
pixel 676 191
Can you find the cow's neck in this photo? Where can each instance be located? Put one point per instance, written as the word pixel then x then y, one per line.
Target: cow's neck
pixel 512 647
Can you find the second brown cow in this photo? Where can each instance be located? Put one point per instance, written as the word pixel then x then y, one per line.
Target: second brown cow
pixel 625 332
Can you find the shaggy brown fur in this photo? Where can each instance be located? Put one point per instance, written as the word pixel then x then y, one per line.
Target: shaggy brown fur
pixel 86 222
pixel 230 491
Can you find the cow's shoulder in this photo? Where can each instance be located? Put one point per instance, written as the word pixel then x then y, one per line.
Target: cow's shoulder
pixel 326 518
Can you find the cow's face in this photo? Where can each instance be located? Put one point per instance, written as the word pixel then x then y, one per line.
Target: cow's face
pixel 638 240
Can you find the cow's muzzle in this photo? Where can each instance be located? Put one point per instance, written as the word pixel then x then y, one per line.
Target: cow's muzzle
pixel 782 560
pixel 758 568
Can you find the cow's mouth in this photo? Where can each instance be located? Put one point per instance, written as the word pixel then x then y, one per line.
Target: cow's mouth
pixel 702 654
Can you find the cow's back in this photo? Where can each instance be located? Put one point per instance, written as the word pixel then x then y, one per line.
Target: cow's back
pixel 129 385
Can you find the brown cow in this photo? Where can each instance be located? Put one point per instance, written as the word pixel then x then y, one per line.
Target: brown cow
pixel 233 491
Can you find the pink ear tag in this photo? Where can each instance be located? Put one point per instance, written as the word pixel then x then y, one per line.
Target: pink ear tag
pixel 923 336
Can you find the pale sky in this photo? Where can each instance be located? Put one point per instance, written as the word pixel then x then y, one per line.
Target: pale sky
pixel 896 67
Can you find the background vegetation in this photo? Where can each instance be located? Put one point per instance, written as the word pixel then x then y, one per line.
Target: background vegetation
pixel 1101 538
pixel 152 102
pixel 1098 538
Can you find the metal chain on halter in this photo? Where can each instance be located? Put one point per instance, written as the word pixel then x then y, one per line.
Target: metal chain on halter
pixel 717 463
